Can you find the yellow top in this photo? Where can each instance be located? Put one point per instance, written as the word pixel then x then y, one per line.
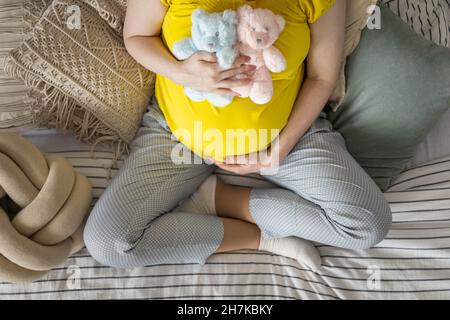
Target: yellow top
pixel 215 132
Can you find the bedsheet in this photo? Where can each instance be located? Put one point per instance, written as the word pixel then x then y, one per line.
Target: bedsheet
pixel 413 262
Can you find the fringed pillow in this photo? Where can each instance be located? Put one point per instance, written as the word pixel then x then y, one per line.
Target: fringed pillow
pixel 113 11
pixel 15 112
pixel 82 78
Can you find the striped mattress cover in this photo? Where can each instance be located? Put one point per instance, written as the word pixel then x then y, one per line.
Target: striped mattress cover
pixel 412 263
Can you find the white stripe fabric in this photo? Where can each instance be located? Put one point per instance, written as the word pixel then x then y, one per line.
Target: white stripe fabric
pixel 448 18
pixel 413 262
pixel 430 18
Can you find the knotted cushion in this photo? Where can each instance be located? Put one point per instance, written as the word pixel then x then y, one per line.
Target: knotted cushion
pixel 54 201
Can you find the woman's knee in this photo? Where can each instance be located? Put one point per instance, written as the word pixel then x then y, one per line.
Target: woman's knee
pixel 115 245
pixel 104 241
pixel 372 224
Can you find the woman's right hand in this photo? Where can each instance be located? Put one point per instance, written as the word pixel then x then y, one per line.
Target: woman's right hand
pixel 202 72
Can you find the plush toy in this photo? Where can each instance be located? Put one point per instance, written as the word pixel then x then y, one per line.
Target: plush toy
pixel 215 33
pixel 258 29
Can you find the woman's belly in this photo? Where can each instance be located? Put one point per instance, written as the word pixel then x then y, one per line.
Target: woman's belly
pixel 242 127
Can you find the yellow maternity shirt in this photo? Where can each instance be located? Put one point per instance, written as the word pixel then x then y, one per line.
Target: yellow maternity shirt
pixel 242 127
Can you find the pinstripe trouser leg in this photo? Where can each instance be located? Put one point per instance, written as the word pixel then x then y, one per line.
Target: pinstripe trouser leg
pixel 325 197
pixel 131 224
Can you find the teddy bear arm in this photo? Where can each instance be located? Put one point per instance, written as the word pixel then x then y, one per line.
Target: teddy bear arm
pixel 184 49
pixel 274 60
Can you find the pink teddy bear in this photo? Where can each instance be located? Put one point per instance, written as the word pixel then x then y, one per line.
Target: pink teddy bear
pixel 258 29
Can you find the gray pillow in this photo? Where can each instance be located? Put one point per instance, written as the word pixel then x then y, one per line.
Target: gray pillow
pixel 398 85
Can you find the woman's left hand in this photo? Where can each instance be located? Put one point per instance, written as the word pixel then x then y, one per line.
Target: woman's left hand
pixel 260 162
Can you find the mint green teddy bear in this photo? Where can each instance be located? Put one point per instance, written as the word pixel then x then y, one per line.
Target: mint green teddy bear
pixel 215 33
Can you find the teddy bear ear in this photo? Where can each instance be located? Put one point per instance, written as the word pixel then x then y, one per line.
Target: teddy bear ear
pixel 229 16
pixel 244 12
pixel 280 22
pixel 198 14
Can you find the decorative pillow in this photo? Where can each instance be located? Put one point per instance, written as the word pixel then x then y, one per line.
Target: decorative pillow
pixel 430 18
pixel 357 16
pixel 113 11
pixel 15 112
pixel 82 79
pixel 398 87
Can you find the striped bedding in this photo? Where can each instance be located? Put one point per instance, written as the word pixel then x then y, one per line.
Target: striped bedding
pixel 413 262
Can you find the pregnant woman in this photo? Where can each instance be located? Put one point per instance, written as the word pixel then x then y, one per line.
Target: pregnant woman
pixel 161 210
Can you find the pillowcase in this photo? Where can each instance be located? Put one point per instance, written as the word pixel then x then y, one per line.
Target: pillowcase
pixel 81 79
pixel 429 18
pixel 398 87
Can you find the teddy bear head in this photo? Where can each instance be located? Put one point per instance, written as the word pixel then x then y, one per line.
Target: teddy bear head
pixel 212 32
pixel 259 28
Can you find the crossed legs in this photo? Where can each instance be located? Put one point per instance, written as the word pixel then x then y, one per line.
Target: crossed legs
pixel 323 196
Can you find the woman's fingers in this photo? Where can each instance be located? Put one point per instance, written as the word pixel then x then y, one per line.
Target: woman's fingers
pixel 241 60
pixel 238 169
pixel 230 73
pixel 206 74
pixel 226 92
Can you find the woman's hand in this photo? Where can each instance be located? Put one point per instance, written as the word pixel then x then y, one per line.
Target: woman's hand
pixel 265 162
pixel 142 37
pixel 202 72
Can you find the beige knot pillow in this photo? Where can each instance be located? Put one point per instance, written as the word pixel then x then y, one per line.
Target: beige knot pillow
pixel 53 202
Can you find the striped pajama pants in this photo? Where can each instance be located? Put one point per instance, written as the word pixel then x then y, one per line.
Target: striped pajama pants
pixel 323 195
